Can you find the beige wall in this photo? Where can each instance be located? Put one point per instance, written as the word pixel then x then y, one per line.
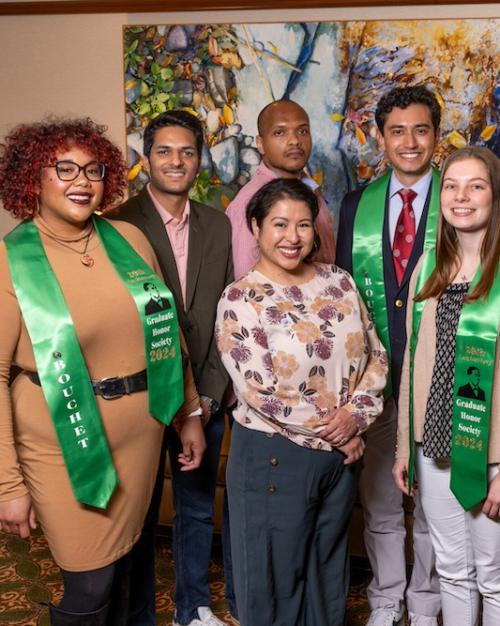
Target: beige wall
pixel 72 65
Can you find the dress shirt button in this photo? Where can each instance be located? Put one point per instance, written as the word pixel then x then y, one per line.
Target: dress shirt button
pixel 271 488
pixel 398 303
pixel 273 462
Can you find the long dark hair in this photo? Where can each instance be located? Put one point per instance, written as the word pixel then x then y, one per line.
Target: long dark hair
pixel 447 241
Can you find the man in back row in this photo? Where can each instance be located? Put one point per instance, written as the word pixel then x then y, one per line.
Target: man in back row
pixel 284 141
pixel 383 230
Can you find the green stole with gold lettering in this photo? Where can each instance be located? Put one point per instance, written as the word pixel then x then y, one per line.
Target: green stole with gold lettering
pixel 61 366
pixel 367 251
pixel 476 342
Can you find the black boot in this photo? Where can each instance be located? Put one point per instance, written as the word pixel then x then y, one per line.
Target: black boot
pixel 65 618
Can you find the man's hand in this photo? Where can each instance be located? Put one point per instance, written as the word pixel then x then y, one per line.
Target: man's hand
pixel 400 475
pixel 193 443
pixel 340 427
pixel 18 516
pixel 206 413
pixel 353 450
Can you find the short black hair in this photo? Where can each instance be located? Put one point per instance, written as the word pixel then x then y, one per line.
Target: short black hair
pixel 471 369
pixel 147 285
pixel 177 117
pixel 402 98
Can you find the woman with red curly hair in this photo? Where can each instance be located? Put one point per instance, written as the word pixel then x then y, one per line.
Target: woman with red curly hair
pixel 81 425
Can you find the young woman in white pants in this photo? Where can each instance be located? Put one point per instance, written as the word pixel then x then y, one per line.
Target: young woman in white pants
pixel 450 390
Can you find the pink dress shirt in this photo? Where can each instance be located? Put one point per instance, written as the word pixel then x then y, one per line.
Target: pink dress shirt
pixel 178 235
pixel 245 248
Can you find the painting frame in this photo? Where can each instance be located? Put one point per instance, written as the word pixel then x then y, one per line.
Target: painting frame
pixel 47 7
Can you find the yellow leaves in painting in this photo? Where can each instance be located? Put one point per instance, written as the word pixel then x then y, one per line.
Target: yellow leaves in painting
pixel 440 100
pixel 365 171
pixel 209 103
pixel 130 84
pixel 190 110
pixel 228 60
pixel 488 132
pixel 134 171
pixel 353 119
pixel 318 177
pixel 360 135
pixel 227 114
pixel 456 139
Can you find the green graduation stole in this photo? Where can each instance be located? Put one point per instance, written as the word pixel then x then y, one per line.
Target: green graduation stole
pixel 367 251
pixel 61 366
pixel 476 342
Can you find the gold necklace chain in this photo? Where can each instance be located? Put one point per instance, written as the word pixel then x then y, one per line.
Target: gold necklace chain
pixel 85 259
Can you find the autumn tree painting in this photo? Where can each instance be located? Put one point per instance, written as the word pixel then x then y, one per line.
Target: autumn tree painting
pixel 226 73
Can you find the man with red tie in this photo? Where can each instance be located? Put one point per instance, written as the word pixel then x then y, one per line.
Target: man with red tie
pixel 383 229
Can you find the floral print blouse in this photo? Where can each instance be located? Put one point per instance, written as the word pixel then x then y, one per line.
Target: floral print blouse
pixel 296 353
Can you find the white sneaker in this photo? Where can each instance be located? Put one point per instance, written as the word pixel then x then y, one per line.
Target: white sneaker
pixel 385 617
pixel 207 618
pixel 422 620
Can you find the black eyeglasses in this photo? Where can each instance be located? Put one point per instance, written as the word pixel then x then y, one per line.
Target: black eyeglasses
pixel 69 170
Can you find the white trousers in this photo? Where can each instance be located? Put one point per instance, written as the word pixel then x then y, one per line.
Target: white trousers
pixel 467 547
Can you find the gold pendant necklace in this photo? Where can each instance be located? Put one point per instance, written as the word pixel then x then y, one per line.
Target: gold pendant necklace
pixel 85 259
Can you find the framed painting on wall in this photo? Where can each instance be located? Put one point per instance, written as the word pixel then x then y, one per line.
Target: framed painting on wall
pixel 226 73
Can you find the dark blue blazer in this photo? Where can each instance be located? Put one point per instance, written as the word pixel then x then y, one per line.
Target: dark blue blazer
pixel 396 295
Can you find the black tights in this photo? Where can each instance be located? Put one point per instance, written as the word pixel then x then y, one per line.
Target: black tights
pixel 86 592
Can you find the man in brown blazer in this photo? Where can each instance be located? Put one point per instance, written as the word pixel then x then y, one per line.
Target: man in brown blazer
pixel 193 244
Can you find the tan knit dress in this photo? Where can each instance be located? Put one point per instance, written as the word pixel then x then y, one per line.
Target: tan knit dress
pixel 111 338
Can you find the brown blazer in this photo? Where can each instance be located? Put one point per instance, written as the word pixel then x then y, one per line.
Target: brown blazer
pixel 209 271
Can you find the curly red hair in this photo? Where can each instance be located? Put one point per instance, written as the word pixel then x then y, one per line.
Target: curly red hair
pixel 29 147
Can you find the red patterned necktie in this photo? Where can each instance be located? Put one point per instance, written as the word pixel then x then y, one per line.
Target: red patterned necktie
pixel 404 237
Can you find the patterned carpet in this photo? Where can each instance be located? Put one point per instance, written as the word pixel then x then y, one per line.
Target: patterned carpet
pixel 29 578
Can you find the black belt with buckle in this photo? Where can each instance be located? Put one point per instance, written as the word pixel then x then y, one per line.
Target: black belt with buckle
pixel 111 388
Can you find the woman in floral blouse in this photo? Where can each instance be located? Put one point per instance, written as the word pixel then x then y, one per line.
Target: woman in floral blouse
pixel 308 371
